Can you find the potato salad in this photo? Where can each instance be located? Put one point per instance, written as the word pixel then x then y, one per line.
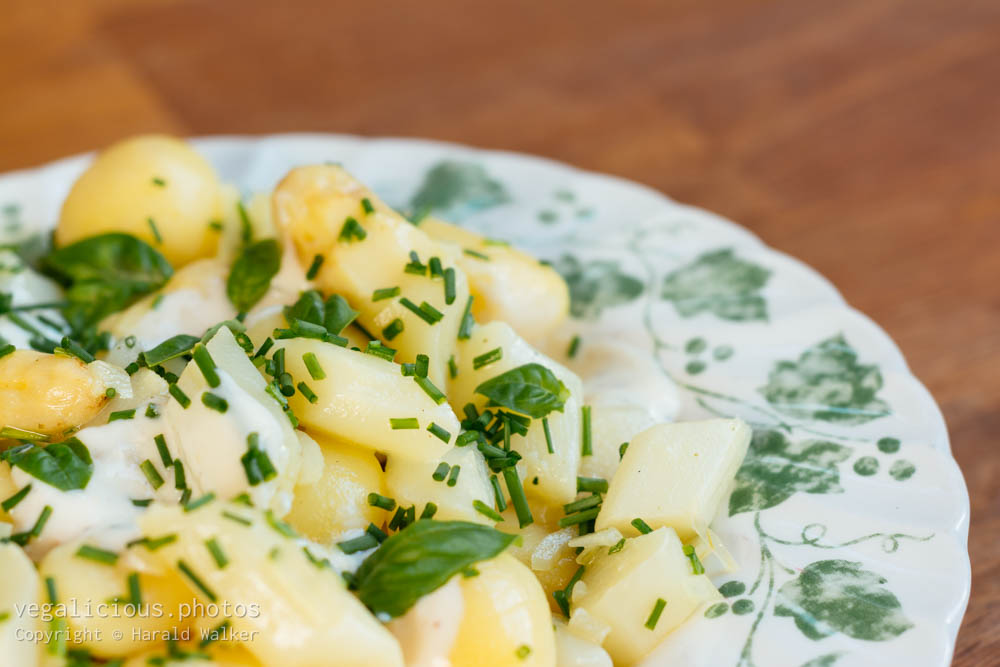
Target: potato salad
pixel 300 428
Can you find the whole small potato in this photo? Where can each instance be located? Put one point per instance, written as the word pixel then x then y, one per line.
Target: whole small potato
pixel 154 187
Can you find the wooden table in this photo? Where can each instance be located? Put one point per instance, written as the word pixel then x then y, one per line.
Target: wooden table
pixel 861 136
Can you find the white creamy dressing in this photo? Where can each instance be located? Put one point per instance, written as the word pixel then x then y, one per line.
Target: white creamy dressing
pixel 211 443
pixel 427 632
pixel 27 287
pixel 103 512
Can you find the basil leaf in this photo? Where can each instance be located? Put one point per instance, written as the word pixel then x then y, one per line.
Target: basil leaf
pixel 309 308
pixel 338 314
pixel 169 349
pixel 531 389
pixel 104 274
pixel 420 559
pixel 65 465
pixel 251 275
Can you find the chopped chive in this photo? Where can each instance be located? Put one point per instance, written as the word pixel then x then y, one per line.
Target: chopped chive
pixel 179 396
pixel 314 268
pixel 517 497
pixel 278 525
pixel 74 348
pixel 156 232
pixel 618 546
pixel 206 365
pixel 6 349
pixel 40 522
pixel 424 311
pixel 498 493
pixel 465 330
pixel 403 423
pixel 440 472
pixel 376 532
pixel 154 543
pixel 452 367
pixel 398 520
pixel 110 392
pixel 435 267
pixel 134 589
pixel 142 502
pixel 307 392
pixel 215 225
pixel 393 329
pixel 486 510
pixel 366 206
pixel 159 182
pixel 439 432
pixel 466 438
pixel 453 475
pixel 430 509
pixel 264 348
pixel 218 555
pixel 11 502
pixel 351 231
pixel 429 389
pixel 185 497
pixel 151 411
pixel 591 484
pixel 548 435
pixel 449 286
pixel 574 347
pixel 582 504
pixel 381 351
pixel 588 445
pixel 256 463
pixel 415 266
pixel 97 555
pixel 475 253
pixel 214 402
pixel 385 293
pixel 487 358
pixel 214 635
pixel 199 502
pixel 641 526
pixel 522 652
pixel 696 566
pixel 180 483
pixel 422 365
pixel 121 414
pixel 237 518
pixel 382 502
pixel 360 543
pixel 312 365
pixel 15 433
pixel 196 580
pixel 152 475
pixel 579 517
pixel 654 616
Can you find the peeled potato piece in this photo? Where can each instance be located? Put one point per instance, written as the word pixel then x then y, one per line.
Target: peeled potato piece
pixel 303 614
pixel 145 178
pixel 508 285
pixel 412 483
pixel 312 205
pixel 48 393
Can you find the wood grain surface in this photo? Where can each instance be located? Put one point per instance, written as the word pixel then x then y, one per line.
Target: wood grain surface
pixel 861 136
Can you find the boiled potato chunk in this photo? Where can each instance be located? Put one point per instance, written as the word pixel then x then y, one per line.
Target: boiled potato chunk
pixel 358 397
pixel 142 178
pixel 557 471
pixel 412 483
pixel 611 426
pixel 305 615
pixel 573 651
pixel 338 500
pixel 86 587
pixel 620 590
pixel 511 286
pixel 675 475
pixel 48 393
pixel 19 586
pixel 211 443
pixel 506 620
pixel 312 204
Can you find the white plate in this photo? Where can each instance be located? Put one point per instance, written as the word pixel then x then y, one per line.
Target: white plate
pixel 849 519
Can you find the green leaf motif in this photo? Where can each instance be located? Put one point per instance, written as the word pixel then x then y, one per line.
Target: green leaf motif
pixel 104 274
pixel 720 283
pixel 827 383
pixel 420 559
pixel 64 465
pixel 839 596
pixel 531 389
pixel 456 189
pixel 776 468
pixel 596 285
pixel 251 273
pixel 826 660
